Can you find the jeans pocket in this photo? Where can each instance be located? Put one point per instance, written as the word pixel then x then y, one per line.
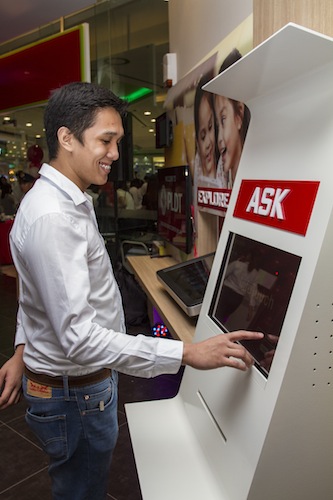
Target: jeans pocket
pixel 51 431
pixel 95 402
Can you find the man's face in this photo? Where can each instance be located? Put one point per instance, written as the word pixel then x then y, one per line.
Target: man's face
pixel 90 162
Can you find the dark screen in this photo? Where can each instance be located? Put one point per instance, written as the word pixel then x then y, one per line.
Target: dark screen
pixel 253 291
pixel 189 280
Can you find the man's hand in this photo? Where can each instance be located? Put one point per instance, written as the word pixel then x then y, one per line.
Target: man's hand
pixel 222 350
pixel 11 379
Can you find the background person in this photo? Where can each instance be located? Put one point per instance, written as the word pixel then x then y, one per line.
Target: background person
pixel 3 182
pixel 7 200
pixel 150 198
pixel 137 190
pixel 70 327
pixel 124 197
pixel 94 192
pixel 25 180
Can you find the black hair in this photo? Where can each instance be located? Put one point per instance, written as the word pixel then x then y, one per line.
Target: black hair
pixel 75 106
pixel 5 189
pixel 137 183
pixel 122 185
pixel 231 58
pixel 199 95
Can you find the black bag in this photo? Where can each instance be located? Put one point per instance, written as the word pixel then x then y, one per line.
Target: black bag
pixel 133 297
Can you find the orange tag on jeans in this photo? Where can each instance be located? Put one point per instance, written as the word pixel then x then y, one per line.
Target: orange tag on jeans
pixel 38 390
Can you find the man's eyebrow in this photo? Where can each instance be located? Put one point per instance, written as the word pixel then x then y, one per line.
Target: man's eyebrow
pixel 109 132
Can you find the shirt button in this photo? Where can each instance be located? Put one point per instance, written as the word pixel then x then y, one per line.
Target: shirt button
pixel 86 397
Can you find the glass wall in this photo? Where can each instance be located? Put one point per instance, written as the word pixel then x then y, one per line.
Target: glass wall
pixel 127 42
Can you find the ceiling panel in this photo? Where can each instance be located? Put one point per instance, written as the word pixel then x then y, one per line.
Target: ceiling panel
pixel 20 16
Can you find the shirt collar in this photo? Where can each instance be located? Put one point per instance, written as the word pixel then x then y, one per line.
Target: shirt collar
pixel 63 183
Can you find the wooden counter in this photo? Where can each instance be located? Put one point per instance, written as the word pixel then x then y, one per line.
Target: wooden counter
pixel 179 324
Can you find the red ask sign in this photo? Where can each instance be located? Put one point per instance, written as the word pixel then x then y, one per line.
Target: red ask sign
pixel 286 205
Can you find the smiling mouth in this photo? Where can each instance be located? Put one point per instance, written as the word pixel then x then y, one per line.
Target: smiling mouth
pixel 209 157
pixel 105 167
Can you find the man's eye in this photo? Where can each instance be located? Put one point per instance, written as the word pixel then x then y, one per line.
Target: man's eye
pixel 105 141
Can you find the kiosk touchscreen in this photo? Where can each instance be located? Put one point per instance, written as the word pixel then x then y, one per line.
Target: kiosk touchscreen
pixel 265 433
pixel 252 292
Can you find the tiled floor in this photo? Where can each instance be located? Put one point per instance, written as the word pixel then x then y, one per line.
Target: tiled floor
pixel 23 466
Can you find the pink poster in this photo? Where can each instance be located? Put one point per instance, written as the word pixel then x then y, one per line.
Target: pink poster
pixel 209 131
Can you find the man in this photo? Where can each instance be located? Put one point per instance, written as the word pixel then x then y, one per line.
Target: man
pixel 70 327
pixel 25 180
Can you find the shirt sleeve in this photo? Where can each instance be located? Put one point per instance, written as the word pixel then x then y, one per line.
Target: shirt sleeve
pixel 56 254
pixel 20 337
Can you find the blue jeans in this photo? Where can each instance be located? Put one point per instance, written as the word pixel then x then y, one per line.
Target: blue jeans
pixel 78 429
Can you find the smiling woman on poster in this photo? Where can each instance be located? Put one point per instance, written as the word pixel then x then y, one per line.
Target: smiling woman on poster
pixel 206 173
pixel 232 122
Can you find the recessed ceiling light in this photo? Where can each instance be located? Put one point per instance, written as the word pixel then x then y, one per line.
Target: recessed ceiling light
pixel 151 130
pixel 153 120
pixel 29 124
pixel 6 118
pixel 147 113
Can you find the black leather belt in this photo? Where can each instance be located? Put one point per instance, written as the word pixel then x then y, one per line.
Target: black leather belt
pixel 82 380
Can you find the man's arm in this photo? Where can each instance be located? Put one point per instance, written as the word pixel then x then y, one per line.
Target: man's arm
pixel 11 379
pixel 221 350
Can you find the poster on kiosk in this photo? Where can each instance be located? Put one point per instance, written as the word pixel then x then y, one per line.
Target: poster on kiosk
pixel 264 434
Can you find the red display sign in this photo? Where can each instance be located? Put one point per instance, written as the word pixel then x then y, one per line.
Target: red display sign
pixel 286 205
pixel 213 198
pixel 28 75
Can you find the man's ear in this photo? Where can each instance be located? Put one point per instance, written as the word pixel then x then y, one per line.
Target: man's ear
pixel 65 138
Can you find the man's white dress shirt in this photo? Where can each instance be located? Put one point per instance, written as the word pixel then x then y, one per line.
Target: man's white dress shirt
pixel 70 315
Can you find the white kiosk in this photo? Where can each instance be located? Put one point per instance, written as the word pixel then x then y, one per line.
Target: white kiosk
pixel 266 434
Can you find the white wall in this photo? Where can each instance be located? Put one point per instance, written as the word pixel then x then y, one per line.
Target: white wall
pixel 197 26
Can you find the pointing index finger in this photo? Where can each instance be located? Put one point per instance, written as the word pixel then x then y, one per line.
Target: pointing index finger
pixel 245 335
